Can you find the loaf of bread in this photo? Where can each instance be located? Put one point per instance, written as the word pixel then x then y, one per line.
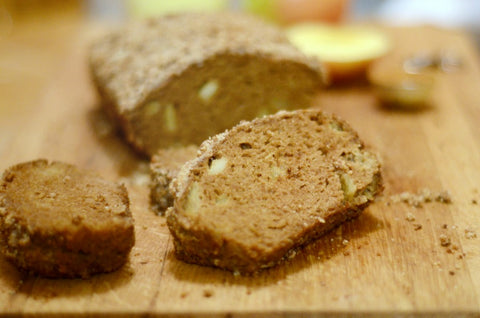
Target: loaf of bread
pixel 257 192
pixel 62 222
pixel 164 167
pixel 178 79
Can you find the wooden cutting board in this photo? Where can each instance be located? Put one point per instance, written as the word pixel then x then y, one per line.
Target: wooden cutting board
pixel 396 259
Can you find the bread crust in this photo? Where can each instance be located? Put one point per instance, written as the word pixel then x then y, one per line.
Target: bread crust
pixel 269 213
pixel 62 222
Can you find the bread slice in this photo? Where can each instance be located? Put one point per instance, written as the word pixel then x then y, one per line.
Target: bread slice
pixel 164 167
pixel 260 190
pixel 181 78
pixel 59 221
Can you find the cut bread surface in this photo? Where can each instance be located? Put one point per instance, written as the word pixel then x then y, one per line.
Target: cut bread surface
pixel 57 220
pixel 266 187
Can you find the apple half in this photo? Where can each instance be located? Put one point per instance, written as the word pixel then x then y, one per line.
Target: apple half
pixel 397 89
pixel 345 50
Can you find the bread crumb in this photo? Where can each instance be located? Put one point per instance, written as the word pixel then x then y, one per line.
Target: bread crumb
pixel 470 234
pixel 445 240
pixel 451 273
pixel 207 293
pixel 407 197
pixel 444 197
pixel 410 217
pixel 417 227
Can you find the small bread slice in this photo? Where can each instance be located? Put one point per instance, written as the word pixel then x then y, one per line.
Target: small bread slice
pixel 257 192
pixel 164 167
pixel 62 222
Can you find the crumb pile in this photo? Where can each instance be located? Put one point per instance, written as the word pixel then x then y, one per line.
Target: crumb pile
pixel 422 197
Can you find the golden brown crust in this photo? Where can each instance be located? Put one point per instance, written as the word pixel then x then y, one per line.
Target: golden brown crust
pixel 160 78
pixel 266 187
pixel 59 221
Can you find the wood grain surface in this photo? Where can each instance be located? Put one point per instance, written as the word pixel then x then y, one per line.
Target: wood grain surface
pixel 396 259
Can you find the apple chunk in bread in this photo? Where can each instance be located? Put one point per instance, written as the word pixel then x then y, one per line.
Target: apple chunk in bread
pixel 346 51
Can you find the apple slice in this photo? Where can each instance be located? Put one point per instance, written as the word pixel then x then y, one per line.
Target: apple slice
pixel 346 51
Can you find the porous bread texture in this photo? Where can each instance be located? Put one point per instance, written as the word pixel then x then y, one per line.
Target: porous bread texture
pixel 257 192
pixel 164 167
pixel 181 78
pixel 59 221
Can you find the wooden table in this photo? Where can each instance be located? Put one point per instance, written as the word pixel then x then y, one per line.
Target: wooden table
pixel 396 259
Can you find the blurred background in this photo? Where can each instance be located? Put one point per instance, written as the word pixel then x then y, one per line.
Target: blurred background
pixel 444 13
pixel 35 35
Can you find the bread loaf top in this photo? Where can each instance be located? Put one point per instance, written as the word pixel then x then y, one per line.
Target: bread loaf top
pixel 130 63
